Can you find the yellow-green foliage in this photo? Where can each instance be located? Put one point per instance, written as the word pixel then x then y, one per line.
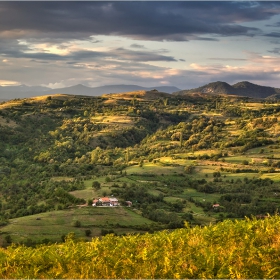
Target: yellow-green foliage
pixel 231 249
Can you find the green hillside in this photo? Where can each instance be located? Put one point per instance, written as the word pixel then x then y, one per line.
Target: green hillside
pixel 173 157
pixel 246 249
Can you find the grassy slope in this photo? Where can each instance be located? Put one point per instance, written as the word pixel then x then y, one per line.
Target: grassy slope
pixel 53 225
pixel 229 250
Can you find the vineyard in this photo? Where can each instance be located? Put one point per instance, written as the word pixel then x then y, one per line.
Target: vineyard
pixel 230 249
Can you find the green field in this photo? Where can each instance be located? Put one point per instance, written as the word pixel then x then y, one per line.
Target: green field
pixel 151 168
pixel 53 225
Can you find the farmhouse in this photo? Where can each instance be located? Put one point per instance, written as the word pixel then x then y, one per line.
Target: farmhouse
pixel 114 201
pixel 105 201
pixel 94 202
pixel 128 203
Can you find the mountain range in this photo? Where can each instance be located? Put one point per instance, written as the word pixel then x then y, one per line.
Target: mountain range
pixel 241 89
pixel 216 88
pixel 24 91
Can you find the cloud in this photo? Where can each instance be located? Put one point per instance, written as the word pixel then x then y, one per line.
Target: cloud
pixel 58 43
pixel 227 59
pixel 273 34
pixel 260 69
pixel 204 39
pixel 275 51
pixel 141 56
pixel 49 52
pixel 137 46
pixel 55 85
pixel 5 83
pixel 171 21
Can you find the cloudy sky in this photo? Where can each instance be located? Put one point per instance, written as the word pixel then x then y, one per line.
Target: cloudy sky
pixel 184 44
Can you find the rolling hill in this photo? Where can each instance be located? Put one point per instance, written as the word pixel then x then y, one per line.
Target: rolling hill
pixel 181 161
pixel 172 156
pixel 241 89
pixel 142 94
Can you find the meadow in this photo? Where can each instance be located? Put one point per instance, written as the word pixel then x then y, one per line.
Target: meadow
pixel 54 226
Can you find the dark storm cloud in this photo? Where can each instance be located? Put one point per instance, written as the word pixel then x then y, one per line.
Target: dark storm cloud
pixel 141 19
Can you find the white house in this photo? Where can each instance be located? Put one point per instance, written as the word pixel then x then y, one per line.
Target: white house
pixel 105 201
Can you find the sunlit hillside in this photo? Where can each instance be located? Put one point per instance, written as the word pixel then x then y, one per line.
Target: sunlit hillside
pixel 175 158
pixel 231 249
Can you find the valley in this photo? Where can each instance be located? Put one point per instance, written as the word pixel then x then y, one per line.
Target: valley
pixel 178 158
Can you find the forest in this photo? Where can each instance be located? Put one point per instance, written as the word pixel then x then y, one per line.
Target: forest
pixel 177 159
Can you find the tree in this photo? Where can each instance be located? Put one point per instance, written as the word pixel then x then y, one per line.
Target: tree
pixel 77 223
pixel 216 174
pixel 96 185
pixel 181 139
pixel 127 156
pixel 189 169
pixel 95 155
pixel 8 239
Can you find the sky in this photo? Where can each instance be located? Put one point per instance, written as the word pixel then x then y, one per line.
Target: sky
pixel 185 44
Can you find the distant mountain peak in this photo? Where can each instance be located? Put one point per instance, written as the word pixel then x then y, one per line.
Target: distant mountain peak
pixel 80 85
pixel 23 91
pixel 245 84
pixel 243 88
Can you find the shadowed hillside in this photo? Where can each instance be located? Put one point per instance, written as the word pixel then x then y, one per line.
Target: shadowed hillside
pixel 242 89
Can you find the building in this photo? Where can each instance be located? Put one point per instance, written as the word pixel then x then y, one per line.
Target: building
pixel 94 202
pixel 128 203
pixel 114 201
pixel 105 201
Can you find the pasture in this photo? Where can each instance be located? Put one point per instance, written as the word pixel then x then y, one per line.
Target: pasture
pixel 54 225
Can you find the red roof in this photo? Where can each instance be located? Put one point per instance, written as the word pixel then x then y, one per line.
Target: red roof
pixel 105 199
